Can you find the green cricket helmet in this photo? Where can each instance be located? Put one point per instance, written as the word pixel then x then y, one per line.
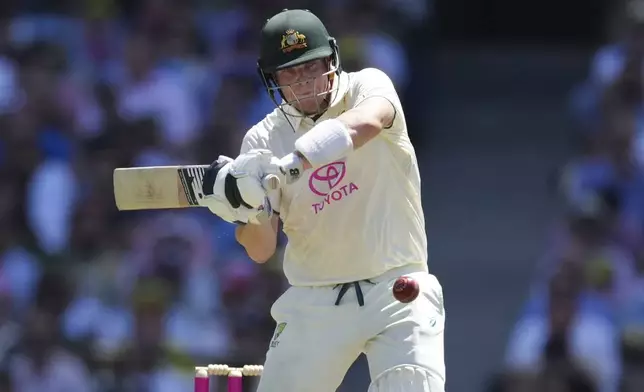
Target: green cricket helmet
pixel 291 38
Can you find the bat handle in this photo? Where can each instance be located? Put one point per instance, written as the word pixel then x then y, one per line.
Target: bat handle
pixel 271 182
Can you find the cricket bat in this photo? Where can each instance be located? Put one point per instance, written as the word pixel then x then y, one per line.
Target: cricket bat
pixel 162 187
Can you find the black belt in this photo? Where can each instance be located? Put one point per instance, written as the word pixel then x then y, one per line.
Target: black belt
pixel 344 287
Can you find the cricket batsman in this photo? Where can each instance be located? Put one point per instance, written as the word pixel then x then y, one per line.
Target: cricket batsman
pixel 350 205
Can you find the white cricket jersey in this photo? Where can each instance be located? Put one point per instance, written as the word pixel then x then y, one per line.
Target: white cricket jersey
pixel 358 217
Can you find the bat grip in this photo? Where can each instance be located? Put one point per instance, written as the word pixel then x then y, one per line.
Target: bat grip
pixel 271 182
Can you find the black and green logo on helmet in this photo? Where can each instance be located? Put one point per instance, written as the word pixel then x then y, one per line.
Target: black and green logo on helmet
pixel 293 37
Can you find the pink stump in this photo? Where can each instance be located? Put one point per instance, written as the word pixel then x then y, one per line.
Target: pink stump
pixel 202 384
pixel 234 384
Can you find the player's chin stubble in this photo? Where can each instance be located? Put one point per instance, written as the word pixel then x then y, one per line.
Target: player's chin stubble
pixel 311 106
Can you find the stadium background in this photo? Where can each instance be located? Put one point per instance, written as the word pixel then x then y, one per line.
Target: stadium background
pixel 526 118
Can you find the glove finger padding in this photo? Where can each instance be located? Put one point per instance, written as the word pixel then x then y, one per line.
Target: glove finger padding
pixel 248 170
pixel 251 191
pixel 266 163
pixel 223 198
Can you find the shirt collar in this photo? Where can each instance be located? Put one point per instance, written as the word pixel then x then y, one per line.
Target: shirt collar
pixel 341 87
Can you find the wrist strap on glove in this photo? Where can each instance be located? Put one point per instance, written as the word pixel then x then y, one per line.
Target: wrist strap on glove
pixel 231 189
pixel 209 177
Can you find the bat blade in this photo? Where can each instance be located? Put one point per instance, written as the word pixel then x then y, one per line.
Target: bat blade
pixel 158 187
pixel 163 187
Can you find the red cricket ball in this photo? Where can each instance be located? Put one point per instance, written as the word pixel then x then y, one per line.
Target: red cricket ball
pixel 405 289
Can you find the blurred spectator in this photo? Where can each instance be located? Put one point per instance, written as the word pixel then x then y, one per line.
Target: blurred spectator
pixel 371 45
pixel 146 362
pixel 633 358
pixel 9 74
pixel 592 313
pixel 42 364
pixel 19 267
pixel 584 340
pixel 611 60
pixel 144 91
pixel 96 300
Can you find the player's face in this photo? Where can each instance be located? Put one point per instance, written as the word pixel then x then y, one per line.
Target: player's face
pixel 306 87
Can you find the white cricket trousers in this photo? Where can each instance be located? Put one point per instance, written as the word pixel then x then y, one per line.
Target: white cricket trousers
pixel 316 341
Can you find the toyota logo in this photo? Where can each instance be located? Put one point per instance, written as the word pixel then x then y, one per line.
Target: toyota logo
pixel 325 178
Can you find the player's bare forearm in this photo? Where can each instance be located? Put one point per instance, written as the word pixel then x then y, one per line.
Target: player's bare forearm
pixel 260 241
pixel 368 119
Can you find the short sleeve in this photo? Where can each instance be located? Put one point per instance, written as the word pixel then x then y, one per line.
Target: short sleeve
pixel 372 82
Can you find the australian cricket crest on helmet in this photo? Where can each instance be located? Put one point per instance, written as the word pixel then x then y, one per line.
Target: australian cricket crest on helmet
pixel 292 40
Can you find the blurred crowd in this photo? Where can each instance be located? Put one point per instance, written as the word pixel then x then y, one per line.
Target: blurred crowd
pixel 96 300
pixel 582 328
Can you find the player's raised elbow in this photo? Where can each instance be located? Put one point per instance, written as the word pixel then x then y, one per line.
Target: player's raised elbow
pixel 369 118
pixel 260 241
pixel 367 130
pixel 261 255
pixel 260 251
pixel 383 112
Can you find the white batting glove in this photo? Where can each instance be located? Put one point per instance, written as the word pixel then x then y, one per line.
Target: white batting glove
pixel 289 168
pixel 262 162
pixel 249 169
pixel 223 196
